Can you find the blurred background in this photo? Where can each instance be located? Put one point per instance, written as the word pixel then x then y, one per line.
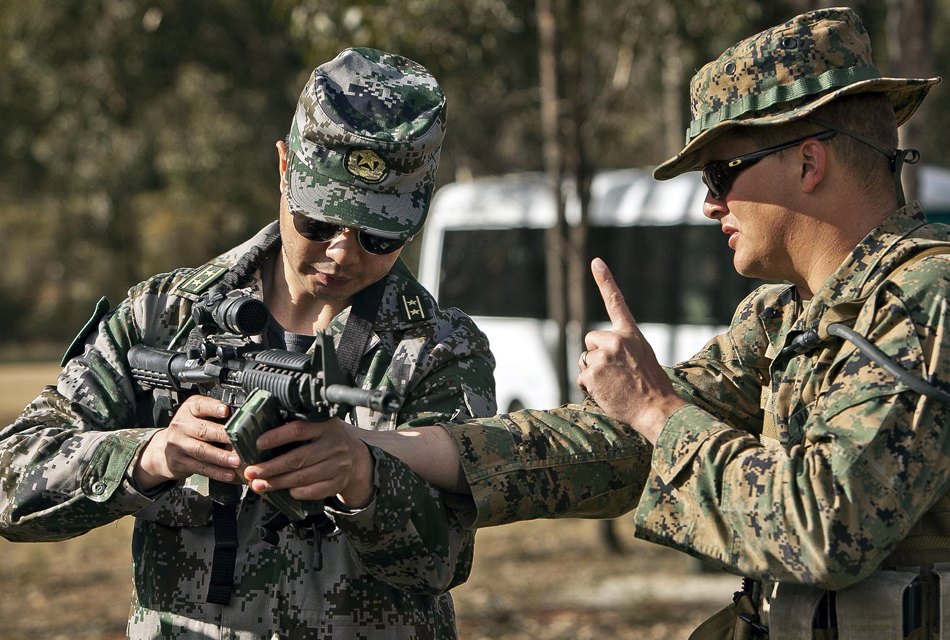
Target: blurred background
pixel 138 136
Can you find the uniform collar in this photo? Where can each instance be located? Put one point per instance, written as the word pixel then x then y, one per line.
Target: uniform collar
pixel 869 262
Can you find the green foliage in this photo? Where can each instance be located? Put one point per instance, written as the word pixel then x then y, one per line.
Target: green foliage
pixel 136 136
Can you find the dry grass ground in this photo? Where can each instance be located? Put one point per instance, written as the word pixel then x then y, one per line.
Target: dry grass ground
pixel 542 580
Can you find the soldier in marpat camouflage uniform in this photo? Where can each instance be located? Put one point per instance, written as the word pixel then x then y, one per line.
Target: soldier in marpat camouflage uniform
pixel 782 451
pixel 356 177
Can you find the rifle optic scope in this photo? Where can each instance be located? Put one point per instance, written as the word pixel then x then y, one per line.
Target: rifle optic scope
pixel 241 314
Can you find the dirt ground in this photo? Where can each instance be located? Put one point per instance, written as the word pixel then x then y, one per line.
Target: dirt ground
pixel 541 580
pixel 550 580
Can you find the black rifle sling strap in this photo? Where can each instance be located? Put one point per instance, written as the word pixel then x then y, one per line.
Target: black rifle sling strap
pixel 221 581
pixel 356 336
pixel 359 328
pixel 226 497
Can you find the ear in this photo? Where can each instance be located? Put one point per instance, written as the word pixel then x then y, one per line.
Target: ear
pixel 814 159
pixel 282 163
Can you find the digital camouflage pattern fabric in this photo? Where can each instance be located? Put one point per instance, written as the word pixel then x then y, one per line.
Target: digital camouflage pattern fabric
pixel 785 73
pixel 859 464
pixel 365 143
pixel 65 469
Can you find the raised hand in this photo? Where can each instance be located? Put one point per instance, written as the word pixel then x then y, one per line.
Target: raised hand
pixel 619 369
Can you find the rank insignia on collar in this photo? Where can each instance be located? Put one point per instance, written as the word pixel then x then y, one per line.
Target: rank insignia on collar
pixel 411 308
pixel 201 279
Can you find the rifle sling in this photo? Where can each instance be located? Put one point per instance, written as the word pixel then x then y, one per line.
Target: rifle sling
pixel 221 582
pixel 356 336
pixel 359 328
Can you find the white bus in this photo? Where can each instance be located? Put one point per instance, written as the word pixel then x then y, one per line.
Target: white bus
pixel 482 251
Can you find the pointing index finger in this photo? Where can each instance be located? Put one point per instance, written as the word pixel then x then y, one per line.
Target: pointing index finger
pixel 617 310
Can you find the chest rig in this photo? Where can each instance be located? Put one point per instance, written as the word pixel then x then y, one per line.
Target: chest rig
pixel 915 579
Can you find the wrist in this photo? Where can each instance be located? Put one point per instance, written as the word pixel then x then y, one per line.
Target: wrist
pixel 651 423
pixel 144 473
pixel 361 490
pixel 143 479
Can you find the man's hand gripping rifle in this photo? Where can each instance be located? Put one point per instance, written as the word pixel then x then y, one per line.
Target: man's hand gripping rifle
pixel 264 387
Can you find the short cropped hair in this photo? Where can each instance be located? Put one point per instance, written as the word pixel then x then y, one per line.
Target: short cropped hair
pixel 868 114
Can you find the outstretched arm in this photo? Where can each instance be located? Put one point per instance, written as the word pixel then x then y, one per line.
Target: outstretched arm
pixel 429 451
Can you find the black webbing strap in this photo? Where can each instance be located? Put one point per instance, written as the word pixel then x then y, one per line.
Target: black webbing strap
pixel 226 498
pixel 224 519
pixel 359 327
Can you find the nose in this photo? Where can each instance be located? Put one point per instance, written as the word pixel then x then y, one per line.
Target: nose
pixel 345 248
pixel 714 208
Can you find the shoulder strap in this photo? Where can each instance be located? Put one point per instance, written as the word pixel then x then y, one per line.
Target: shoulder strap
pixel 846 312
pixel 359 327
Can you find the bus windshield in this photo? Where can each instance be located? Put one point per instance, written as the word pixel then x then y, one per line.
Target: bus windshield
pixel 670 274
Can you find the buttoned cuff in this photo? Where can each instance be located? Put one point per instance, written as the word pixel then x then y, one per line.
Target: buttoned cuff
pixel 106 477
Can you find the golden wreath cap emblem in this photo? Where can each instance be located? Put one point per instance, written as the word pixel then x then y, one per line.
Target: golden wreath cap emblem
pixel 366 165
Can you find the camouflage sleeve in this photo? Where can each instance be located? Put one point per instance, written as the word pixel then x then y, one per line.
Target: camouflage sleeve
pixel 576 462
pixel 456 379
pixel 866 458
pixel 63 462
pixel 568 462
pixel 400 538
pixel 725 378
pixel 409 537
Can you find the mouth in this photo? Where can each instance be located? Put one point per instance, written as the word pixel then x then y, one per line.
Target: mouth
pixel 332 281
pixel 733 234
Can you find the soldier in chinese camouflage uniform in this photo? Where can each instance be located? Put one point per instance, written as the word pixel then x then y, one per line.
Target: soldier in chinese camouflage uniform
pixel 782 451
pixel 356 177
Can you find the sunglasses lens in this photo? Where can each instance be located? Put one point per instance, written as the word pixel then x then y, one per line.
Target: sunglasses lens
pixel 315 230
pixel 319 231
pixel 379 245
pixel 718 178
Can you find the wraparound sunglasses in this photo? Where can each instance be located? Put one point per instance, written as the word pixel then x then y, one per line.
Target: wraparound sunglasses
pixel 319 231
pixel 719 175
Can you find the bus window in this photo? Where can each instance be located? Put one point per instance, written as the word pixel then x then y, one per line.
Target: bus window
pixel 676 274
pixel 494 272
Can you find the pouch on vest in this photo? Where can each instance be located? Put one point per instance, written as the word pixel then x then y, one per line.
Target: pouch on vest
pixel 876 607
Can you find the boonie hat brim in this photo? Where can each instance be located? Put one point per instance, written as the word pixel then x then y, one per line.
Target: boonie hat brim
pixel 785 73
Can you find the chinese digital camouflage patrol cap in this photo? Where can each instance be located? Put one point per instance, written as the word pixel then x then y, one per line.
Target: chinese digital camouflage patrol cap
pixel 785 73
pixel 365 143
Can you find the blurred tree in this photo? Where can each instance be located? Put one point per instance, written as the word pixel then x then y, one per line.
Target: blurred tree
pixel 137 135
pixel 910 45
pixel 134 138
pixel 482 51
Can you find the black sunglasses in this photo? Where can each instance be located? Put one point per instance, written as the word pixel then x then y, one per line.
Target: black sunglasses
pixel 319 231
pixel 719 175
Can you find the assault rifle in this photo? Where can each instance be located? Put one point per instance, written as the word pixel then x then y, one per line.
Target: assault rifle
pixel 264 387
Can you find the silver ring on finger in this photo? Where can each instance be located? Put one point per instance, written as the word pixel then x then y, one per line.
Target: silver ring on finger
pixel 584 359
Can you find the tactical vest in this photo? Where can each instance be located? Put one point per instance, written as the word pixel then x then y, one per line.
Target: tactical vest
pixel 914 579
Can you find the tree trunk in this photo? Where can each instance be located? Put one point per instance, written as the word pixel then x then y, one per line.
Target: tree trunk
pixel 578 275
pixel 556 236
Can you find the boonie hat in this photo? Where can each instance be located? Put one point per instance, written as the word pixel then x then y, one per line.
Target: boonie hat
pixel 365 143
pixel 785 73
